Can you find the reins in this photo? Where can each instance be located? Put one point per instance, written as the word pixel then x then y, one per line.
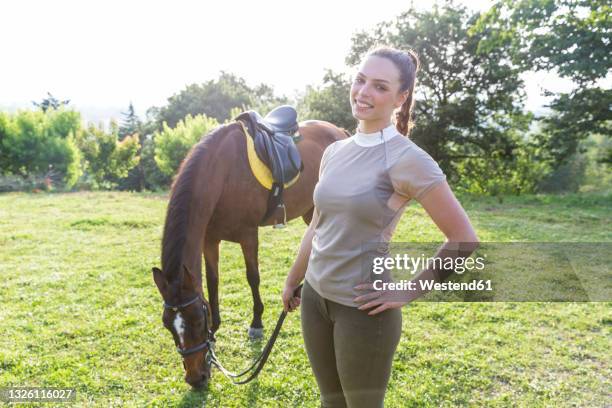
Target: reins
pixel 259 363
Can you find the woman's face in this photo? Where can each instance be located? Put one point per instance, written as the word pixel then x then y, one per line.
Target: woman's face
pixel 375 92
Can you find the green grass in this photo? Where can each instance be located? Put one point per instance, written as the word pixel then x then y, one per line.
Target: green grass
pixel 80 309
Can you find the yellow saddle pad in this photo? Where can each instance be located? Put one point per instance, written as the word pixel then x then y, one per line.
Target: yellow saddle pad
pixel 261 172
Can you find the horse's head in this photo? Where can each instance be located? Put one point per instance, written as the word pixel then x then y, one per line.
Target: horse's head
pixel 187 316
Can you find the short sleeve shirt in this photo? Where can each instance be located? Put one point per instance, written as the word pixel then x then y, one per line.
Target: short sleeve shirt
pixel 365 183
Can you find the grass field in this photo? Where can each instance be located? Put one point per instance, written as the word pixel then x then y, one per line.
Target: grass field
pixel 80 309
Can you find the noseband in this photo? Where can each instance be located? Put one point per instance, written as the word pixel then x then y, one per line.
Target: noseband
pixel 206 344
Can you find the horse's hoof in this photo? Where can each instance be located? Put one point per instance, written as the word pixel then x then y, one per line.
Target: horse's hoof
pixel 255 334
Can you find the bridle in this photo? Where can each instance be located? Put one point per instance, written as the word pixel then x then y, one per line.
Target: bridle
pixel 206 345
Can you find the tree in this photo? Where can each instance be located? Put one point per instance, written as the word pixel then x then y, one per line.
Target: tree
pixel 570 38
pixel 265 100
pixel 130 123
pixel 51 102
pixel 215 99
pixel 573 118
pixel 329 102
pixel 467 102
pixel 132 126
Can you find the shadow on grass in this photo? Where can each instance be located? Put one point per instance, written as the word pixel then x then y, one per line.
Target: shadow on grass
pixel 195 398
pixel 253 392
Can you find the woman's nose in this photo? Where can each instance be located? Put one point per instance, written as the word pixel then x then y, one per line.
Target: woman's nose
pixel 364 91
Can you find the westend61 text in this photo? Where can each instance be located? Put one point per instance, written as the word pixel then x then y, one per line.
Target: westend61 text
pixel 428 285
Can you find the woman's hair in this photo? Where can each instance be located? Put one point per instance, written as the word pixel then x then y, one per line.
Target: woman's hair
pixel 407 62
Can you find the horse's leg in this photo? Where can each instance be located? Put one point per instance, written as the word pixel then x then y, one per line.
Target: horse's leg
pixel 211 259
pixel 307 217
pixel 249 246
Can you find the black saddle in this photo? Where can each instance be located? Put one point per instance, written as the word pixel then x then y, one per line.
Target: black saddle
pixel 282 119
pixel 275 146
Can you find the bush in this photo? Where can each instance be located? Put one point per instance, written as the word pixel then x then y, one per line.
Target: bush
pixel 35 143
pixel 497 175
pixel 106 159
pixel 154 179
pixel 173 144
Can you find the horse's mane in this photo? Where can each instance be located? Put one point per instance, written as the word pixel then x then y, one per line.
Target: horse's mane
pixel 181 203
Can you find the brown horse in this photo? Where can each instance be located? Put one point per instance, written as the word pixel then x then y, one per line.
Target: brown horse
pixel 216 197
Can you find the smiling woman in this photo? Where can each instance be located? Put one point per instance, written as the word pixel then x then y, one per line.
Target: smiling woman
pixel 386 171
pixel 372 99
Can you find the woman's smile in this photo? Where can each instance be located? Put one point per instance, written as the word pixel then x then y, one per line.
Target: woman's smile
pixel 362 106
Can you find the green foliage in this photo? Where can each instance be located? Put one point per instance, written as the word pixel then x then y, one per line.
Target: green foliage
pixel 598 172
pixel 265 100
pixel 215 99
pixel 36 143
pixel 329 102
pixel 574 117
pixel 154 179
pixel 5 128
pixel 571 38
pixel 499 174
pixel 131 125
pixel 585 170
pixel 173 144
pixel 107 159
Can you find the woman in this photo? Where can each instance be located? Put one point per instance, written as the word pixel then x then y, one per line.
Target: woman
pixel 365 183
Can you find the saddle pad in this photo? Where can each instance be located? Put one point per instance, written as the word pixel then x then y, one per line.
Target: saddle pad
pixel 261 172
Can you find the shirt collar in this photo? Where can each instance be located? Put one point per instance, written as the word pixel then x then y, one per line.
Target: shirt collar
pixel 373 139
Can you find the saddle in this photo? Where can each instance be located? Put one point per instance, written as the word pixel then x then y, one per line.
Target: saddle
pixel 274 145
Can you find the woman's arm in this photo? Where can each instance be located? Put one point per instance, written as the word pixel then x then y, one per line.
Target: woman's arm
pixel 461 240
pixel 448 214
pixel 298 270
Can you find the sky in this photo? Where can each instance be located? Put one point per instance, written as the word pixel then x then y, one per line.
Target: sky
pixel 102 55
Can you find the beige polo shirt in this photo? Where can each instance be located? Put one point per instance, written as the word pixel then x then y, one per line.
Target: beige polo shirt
pixel 365 183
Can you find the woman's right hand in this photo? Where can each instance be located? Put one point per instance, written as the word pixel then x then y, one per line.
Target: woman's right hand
pixel 290 301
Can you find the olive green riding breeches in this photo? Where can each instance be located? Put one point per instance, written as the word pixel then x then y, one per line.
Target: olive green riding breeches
pixel 350 352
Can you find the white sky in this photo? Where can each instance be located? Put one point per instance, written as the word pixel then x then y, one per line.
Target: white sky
pixel 107 53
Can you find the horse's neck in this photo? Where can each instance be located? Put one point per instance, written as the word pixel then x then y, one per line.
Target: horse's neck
pixel 191 207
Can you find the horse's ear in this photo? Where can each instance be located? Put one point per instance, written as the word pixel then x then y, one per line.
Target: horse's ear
pixel 159 279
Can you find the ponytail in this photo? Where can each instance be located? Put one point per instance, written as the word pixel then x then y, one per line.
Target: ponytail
pixel 403 116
